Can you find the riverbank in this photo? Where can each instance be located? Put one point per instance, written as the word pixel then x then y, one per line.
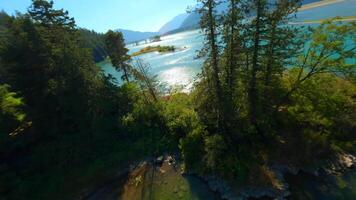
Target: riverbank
pixel 291 182
pixel 163 178
pixel 319 4
pixel 339 19
pixel 155 178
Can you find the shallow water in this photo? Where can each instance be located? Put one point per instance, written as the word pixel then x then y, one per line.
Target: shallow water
pixel 164 183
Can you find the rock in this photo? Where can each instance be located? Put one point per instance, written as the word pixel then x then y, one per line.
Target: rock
pixel 159 160
pixel 170 160
pixel 340 164
pixel 348 160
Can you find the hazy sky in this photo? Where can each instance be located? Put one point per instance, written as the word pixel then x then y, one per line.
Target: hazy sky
pixel 101 15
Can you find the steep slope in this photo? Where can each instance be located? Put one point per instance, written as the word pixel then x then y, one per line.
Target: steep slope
pixel 192 21
pixel 175 23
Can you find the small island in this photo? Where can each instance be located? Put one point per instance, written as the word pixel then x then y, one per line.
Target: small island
pixel 149 49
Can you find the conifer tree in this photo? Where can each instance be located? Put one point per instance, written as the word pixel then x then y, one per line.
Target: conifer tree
pixel 212 69
pixel 117 51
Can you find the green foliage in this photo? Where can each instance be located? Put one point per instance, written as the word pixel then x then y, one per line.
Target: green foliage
pixel 192 148
pixel 249 97
pixel 315 145
pixel 42 12
pixel 245 111
pixel 117 51
pixel 12 116
pixel 326 104
pixel 43 60
pixel 215 148
pixel 148 49
pixel 180 116
pixel 96 43
pixel 166 48
pixel 10 105
pixel 75 110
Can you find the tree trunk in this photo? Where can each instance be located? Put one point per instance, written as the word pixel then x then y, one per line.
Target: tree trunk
pixel 253 96
pixel 269 68
pixel 126 76
pixel 214 63
pixel 232 60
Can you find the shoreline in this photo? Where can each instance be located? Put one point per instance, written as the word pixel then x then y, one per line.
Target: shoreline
pixel 345 19
pixel 319 4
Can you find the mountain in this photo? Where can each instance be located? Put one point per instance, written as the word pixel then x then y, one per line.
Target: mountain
pixel 175 23
pixel 182 22
pixel 132 36
pixel 192 21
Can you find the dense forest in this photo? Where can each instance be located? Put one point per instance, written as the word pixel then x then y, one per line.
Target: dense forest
pixel 268 93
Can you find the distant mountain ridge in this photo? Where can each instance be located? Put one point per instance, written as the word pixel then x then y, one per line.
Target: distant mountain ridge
pixel 192 21
pixel 182 22
pixel 132 36
pixel 173 24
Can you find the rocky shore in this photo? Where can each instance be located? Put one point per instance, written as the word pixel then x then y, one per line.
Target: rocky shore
pixel 337 166
pixel 281 191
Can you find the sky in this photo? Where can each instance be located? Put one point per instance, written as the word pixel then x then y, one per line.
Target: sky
pixel 102 15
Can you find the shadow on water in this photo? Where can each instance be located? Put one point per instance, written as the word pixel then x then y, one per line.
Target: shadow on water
pixel 305 187
pixel 200 189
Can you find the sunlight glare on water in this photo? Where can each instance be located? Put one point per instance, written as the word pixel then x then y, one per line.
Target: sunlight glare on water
pixel 177 68
pixel 177 76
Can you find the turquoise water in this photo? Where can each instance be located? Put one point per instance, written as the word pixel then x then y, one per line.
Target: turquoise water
pixel 181 67
pixel 177 68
